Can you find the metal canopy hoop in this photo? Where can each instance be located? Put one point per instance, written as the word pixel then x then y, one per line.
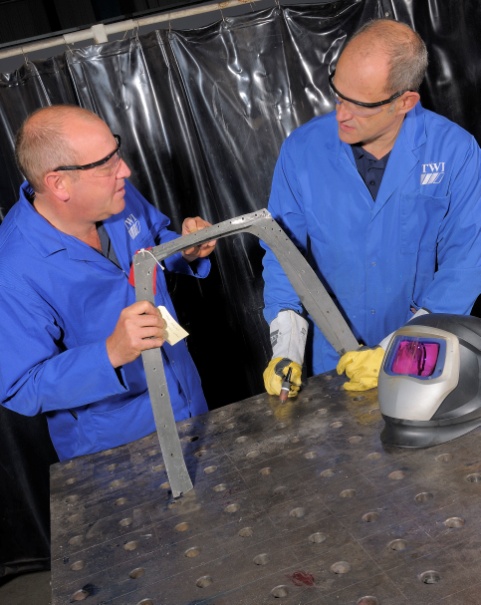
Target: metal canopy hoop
pixel 309 288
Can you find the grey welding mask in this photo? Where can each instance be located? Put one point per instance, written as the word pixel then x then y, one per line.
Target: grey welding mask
pixel 429 383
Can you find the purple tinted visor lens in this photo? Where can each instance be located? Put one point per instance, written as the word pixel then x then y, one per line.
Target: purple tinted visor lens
pixel 415 358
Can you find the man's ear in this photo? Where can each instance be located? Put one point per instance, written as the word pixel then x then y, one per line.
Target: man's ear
pixel 57 185
pixel 408 100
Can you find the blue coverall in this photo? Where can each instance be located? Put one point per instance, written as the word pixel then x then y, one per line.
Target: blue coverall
pixel 418 245
pixel 59 301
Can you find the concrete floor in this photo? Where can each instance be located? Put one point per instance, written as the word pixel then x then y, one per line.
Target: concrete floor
pixel 26 589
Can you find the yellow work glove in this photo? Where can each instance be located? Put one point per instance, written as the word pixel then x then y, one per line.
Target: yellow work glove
pixel 276 372
pixel 362 368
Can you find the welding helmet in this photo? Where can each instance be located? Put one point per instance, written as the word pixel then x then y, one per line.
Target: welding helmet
pixel 429 383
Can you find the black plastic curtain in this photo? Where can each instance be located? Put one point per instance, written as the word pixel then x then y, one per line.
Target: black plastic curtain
pixel 202 115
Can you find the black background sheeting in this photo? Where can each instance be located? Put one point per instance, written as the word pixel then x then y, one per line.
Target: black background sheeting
pixel 202 115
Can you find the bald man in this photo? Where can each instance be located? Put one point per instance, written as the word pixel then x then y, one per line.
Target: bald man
pixel 72 331
pixel 384 198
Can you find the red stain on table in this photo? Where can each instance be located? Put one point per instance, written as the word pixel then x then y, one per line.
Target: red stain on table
pixel 302 578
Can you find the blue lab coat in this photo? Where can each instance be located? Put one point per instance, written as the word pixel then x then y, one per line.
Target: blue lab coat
pixel 417 245
pixel 59 301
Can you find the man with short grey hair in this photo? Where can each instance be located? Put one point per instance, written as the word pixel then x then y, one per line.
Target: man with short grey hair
pixel 72 331
pixel 384 198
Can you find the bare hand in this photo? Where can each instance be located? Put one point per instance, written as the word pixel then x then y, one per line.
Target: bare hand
pixel 140 327
pixel 192 225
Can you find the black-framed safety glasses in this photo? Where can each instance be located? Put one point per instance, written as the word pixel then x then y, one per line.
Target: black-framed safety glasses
pixel 98 162
pixel 392 98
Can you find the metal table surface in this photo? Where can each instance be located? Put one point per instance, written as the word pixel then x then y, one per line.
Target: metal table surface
pixel 293 504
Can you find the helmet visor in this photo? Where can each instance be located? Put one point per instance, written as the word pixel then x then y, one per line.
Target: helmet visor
pixel 415 358
pixel 419 357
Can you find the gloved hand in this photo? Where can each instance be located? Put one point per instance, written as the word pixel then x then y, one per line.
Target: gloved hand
pixel 288 332
pixel 361 367
pixel 276 372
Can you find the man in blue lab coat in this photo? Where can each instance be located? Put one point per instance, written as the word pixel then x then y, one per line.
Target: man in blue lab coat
pixel 384 198
pixel 72 331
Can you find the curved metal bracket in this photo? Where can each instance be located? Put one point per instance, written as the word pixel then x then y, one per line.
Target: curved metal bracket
pixel 314 297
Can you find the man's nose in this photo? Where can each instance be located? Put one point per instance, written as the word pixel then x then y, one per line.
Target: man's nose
pixel 342 111
pixel 123 171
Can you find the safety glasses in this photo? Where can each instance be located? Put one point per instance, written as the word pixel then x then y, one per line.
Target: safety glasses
pixel 104 167
pixel 360 108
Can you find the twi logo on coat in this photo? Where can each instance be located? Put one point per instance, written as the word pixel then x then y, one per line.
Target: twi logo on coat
pixel 432 173
pixel 132 225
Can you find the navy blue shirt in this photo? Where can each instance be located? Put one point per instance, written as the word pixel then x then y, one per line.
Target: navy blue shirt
pixel 370 168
